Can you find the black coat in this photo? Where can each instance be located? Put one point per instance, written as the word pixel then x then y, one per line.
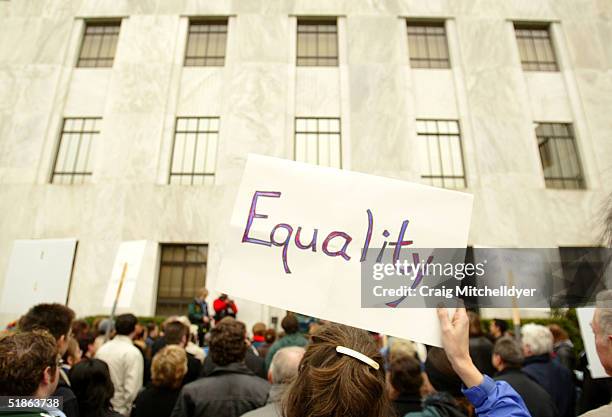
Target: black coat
pixel 481 350
pixel 155 402
pixel 227 391
pixel 405 404
pixel 556 379
pixel 255 363
pixel 536 398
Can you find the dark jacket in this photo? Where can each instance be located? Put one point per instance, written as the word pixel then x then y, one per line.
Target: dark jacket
pixel 406 403
pixel 536 399
pixel 439 404
pixel 556 379
pixel 564 353
pixel 481 350
pixel 70 406
pixel 155 402
pixel 228 391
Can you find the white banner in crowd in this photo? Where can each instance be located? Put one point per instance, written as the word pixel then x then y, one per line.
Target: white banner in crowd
pixel 130 253
pixel 298 231
pixel 585 317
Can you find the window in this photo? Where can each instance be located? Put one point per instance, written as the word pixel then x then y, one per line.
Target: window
pixel 317 43
pixel 73 160
pixel 182 271
pixel 194 154
pixel 427 46
pixel 440 147
pixel 559 156
pixel 317 141
pixel 99 44
pixel 206 43
pixel 535 47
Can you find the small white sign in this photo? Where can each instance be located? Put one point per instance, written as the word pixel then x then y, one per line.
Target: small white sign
pixel 298 231
pixel 130 253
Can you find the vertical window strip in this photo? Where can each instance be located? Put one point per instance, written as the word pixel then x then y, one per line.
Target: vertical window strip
pixel 427 45
pixel 99 44
pixel 194 153
pixel 73 160
pixel 441 148
pixel 318 141
pixel 317 43
pixel 206 43
pixel 559 156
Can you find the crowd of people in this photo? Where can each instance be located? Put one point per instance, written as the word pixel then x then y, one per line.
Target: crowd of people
pixel 209 364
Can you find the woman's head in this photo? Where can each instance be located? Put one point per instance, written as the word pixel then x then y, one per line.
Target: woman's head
pixel 169 367
pixel 92 385
pixel 330 383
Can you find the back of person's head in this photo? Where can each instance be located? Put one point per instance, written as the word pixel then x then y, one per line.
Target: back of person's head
pixel 330 383
pixel 90 380
pixel 175 333
pixel 125 324
pixel 152 328
pixel 55 318
pixel 285 364
pixel 502 325
pixel 227 342
pixel 202 293
pixel 73 353
pixel 290 324
pixel 169 366
pixel 475 325
pixel 270 336
pixel 441 374
pixel 559 334
pixel 80 328
pixel 405 374
pixel 537 339
pixel 25 359
pixel 259 329
pixel 400 347
pixel 509 352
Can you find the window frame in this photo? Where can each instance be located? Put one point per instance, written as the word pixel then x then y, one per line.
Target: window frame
pixel 318 132
pixel 99 23
pixel 426 62
pixel 319 61
pixel 537 65
pixel 206 21
pixel 193 174
pixel 580 180
pixel 183 300
pixel 442 177
pixel 73 173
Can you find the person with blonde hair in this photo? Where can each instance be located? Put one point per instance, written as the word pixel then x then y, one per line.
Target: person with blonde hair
pixel 168 369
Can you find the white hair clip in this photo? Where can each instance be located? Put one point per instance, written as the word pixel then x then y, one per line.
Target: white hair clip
pixel 359 356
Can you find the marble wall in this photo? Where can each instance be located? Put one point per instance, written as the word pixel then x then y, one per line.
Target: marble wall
pixel 257 95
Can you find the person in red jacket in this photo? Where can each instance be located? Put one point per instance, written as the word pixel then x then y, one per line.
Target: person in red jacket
pixel 224 307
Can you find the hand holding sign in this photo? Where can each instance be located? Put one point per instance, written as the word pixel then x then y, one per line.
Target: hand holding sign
pixel 299 234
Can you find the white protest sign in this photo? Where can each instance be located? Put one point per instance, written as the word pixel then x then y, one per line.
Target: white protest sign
pixel 298 230
pixel 130 253
pixel 585 317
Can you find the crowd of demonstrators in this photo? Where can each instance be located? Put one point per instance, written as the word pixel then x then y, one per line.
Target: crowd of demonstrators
pixel 508 360
pixel 125 363
pixel 292 337
pixel 341 371
pixel 168 371
pixel 230 389
pixel 555 378
pixel 481 347
pixel 269 339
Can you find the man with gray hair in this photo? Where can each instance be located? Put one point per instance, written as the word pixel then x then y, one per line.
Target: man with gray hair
pixel 602 328
pixel 555 378
pixel 507 360
pixel 283 370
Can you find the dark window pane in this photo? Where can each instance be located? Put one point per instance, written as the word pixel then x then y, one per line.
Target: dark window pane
pixel 535 47
pixel 206 43
pixel 427 46
pixel 194 155
pixel 73 159
pixel 441 152
pixel 559 156
pixel 99 44
pixel 317 43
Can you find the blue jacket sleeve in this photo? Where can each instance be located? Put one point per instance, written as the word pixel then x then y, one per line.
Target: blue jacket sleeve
pixel 496 399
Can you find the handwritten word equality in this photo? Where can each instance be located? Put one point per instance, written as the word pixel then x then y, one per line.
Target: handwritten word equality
pixel 346 239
